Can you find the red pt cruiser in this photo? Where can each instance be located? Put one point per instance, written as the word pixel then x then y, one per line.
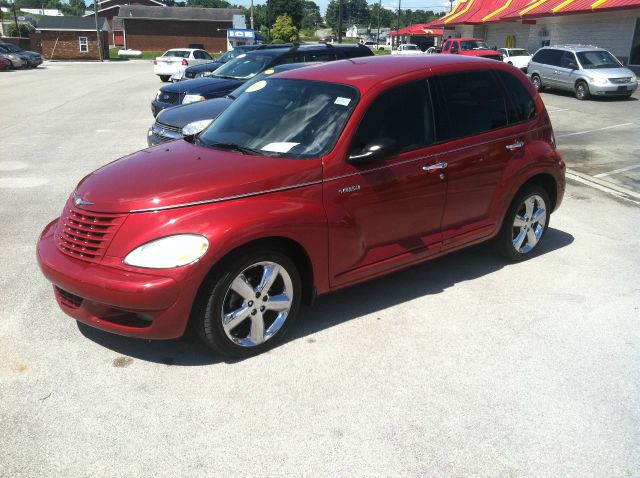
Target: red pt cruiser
pixel 313 180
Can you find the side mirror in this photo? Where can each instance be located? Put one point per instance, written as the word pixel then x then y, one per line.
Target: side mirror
pixel 375 151
pixel 573 65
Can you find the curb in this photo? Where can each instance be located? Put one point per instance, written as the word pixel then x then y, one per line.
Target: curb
pixel 604 186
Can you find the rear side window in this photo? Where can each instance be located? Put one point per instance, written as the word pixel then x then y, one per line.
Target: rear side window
pixel 320 57
pixel 470 103
pixel 402 114
pixel 522 108
pixel 290 59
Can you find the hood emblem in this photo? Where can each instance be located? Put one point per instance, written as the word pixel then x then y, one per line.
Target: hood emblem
pixel 78 201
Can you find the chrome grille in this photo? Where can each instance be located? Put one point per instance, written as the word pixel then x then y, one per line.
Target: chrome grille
pixel 86 235
pixel 168 97
pixel 168 127
pixel 620 80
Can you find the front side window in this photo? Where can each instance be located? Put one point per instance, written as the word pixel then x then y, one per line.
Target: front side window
pixel 285 118
pixel 567 60
pixel 401 114
pixel 473 103
pixel 598 59
pixel 522 107
pixel 84 44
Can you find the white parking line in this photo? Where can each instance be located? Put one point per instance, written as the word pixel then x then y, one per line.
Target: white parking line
pixel 557 110
pixel 616 171
pixel 593 130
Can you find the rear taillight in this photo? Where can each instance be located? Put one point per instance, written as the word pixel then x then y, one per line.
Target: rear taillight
pixel 185 62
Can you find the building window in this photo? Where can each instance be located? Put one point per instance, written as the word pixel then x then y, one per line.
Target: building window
pixel 84 44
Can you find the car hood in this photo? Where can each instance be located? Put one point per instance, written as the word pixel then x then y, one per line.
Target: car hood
pixel 180 173
pixel 180 116
pixel 481 52
pixel 203 86
pixel 610 72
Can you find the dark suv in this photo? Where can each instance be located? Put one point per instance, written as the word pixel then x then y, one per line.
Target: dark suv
pixel 235 72
pixel 197 71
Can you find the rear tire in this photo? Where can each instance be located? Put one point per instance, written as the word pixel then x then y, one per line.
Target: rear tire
pixel 247 305
pixel 525 224
pixel 582 91
pixel 164 78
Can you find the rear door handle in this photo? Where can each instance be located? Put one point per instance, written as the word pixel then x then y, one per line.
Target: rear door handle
pixel 516 145
pixel 432 168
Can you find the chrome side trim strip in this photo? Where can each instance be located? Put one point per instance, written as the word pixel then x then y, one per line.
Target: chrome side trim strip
pixel 226 198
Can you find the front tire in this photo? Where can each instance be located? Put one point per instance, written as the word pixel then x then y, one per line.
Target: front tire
pixel 246 306
pixel 164 78
pixel 537 82
pixel 582 91
pixel 525 224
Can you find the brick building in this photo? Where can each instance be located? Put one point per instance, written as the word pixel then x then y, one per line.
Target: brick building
pixel 161 28
pixel 71 38
pixel 109 8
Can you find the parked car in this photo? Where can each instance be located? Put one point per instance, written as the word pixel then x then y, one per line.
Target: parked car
pixel 33 59
pixel 184 120
pixel 172 61
pixel 470 47
pixel 585 70
pixel 207 69
pixel 373 45
pixel 15 59
pixel 407 49
pixel 318 179
pixel 4 64
pixel 518 57
pixel 329 39
pixel 245 66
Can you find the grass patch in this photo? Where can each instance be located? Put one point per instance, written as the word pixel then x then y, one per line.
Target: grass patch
pixel 146 55
pixel 382 52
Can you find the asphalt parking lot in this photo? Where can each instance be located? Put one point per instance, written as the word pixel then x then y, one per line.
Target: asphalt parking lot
pixel 464 366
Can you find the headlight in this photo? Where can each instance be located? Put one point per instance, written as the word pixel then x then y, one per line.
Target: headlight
pixel 600 81
pixel 196 127
pixel 192 99
pixel 158 94
pixel 169 252
pixel 633 79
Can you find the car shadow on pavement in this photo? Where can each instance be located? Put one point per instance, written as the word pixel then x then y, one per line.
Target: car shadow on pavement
pixel 602 99
pixel 429 278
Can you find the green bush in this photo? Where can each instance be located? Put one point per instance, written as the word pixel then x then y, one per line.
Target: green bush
pixel 24 30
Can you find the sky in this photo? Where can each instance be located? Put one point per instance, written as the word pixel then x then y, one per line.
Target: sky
pixel 435 5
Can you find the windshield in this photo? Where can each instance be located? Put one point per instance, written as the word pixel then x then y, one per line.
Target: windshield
pixel 410 47
pixel 598 59
pixel 243 67
pixel 230 55
pixel 473 45
pixel 10 48
pixel 519 52
pixel 284 117
pixel 177 53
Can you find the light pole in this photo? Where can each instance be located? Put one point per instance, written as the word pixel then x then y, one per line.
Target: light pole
pixel 252 14
pixel 339 21
pixel 398 30
pixel 378 34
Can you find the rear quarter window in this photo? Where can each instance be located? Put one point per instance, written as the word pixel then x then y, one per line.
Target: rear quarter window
pixel 522 107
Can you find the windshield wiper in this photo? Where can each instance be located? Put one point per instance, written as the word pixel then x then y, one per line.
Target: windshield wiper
pixel 235 147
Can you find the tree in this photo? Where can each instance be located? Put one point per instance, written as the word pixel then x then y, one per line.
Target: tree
pixel 208 3
pixel 291 8
pixel 24 30
pixel 332 14
pixel 74 8
pixel 310 15
pixel 284 29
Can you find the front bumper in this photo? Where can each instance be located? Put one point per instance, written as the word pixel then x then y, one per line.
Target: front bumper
pixel 158 106
pixel 127 303
pixel 613 89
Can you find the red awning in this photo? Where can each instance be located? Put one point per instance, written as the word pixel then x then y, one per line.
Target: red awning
pixel 548 8
pixel 475 15
pixel 505 8
pixel 418 29
pixel 461 8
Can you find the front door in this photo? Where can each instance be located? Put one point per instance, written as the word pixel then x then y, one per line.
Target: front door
pixel 386 213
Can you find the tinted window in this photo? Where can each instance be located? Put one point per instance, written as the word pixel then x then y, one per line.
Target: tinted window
pixel 598 59
pixel 454 47
pixel 198 55
pixel 206 56
pixel 291 59
pixel 402 114
pixel 244 66
pixel 566 59
pixel 320 57
pixel 554 57
pixel 472 103
pixel 521 108
pixel 548 56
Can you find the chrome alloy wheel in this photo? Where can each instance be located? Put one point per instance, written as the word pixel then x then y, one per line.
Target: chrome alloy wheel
pixel 529 224
pixel 257 304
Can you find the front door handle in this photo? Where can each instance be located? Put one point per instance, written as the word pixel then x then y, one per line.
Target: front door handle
pixel 432 168
pixel 516 145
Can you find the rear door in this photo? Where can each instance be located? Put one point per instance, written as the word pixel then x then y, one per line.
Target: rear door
pixel 565 72
pixel 551 72
pixel 474 111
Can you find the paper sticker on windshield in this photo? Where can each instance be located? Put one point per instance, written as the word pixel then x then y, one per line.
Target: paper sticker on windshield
pixel 242 55
pixel 258 85
pixel 279 147
pixel 270 71
pixel 342 101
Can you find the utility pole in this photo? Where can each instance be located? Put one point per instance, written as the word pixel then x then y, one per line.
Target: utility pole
pixel 15 18
pixel 339 21
pixel 378 34
pixel 98 29
pixel 252 14
pixel 398 30
pixel 451 6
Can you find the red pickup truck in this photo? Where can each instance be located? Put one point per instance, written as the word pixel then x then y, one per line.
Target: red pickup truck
pixel 470 47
